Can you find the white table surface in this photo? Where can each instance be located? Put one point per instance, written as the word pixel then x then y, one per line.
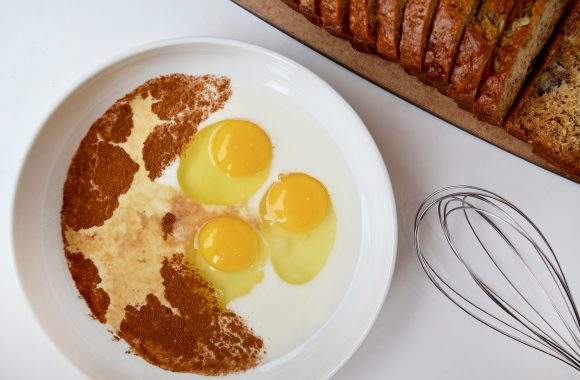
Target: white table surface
pixel 47 46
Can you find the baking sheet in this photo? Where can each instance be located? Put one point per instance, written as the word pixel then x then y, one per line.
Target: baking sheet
pixel 391 77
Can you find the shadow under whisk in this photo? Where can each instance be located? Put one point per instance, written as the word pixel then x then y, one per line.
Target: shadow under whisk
pixel 493 262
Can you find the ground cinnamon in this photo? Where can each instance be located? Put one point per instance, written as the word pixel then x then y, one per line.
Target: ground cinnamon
pixel 86 277
pixel 203 339
pixel 184 103
pixel 167 224
pixel 99 171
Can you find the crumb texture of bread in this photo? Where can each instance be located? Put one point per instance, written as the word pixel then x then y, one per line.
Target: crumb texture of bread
pixel 449 23
pixel 334 16
pixel 363 22
pixel 547 114
pixel 415 33
pixel 529 27
pixel 389 20
pixel 476 48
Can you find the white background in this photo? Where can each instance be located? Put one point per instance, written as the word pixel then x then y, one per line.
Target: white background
pixel 48 46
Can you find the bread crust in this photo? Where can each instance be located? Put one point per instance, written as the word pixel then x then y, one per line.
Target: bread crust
pixel 449 23
pixel 334 17
pixel 389 19
pixel 476 48
pixel 362 23
pixel 515 35
pixel 414 34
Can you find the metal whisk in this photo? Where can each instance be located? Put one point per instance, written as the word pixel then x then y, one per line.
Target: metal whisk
pixel 495 264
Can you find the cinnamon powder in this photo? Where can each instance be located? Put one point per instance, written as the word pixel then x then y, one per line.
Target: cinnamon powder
pixel 167 224
pixel 203 339
pixel 180 102
pixel 194 335
pixel 86 277
pixel 99 171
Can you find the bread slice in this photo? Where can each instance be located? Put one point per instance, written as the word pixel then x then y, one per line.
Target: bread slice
pixel 415 33
pixel 449 22
pixel 334 16
pixel 547 114
pixel 389 20
pixel 476 48
pixel 310 9
pixel 529 27
pixel 363 22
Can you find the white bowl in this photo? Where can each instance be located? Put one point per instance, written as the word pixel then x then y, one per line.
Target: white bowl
pixel 36 215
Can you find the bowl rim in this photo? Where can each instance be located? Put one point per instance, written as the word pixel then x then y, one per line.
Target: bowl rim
pixel 164 43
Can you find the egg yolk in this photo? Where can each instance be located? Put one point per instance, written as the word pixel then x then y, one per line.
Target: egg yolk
pixel 241 148
pixel 228 243
pixel 212 159
pixel 296 201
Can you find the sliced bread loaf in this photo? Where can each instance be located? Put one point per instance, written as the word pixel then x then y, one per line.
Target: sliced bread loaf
pixel 449 22
pixel 310 9
pixel 389 20
pixel 363 22
pixel 529 26
pixel 476 48
pixel 415 33
pixel 547 114
pixel 334 16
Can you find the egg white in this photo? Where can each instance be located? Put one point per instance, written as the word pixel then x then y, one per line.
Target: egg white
pixel 284 315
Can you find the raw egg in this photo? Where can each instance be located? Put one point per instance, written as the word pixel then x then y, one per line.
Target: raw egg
pixel 299 226
pixel 230 254
pixel 225 163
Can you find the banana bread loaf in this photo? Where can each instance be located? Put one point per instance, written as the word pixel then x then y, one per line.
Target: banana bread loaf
pixel 547 114
pixel 389 20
